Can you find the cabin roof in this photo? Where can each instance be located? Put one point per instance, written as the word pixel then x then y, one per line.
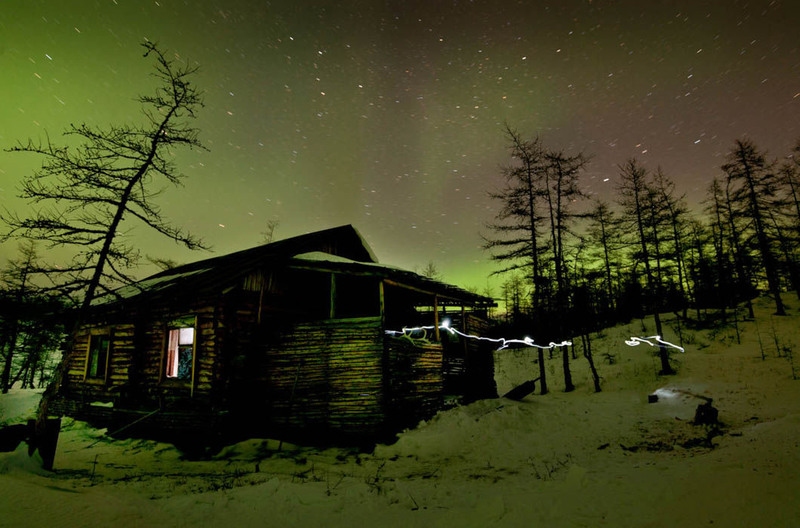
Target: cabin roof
pixel 336 250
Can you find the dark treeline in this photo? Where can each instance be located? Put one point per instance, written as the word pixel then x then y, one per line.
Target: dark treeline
pixel 574 265
pixel 31 324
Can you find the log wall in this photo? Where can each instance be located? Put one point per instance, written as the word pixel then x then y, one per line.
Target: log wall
pixel 323 377
pixel 134 378
pixel 120 358
pixel 341 378
pixel 415 381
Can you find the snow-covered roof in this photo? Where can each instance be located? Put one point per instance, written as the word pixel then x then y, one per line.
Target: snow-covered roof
pixel 151 284
pixel 321 256
pixel 340 249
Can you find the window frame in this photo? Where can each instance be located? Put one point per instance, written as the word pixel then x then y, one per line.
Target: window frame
pixel 176 324
pixel 95 333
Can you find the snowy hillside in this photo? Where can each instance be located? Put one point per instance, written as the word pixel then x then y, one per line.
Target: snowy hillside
pixel 564 459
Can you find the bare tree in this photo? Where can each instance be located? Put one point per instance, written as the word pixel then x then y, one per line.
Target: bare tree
pixel 268 234
pixel 560 190
pixel 675 210
pixel 634 198
pixel 603 229
pixel 789 176
pixel 519 240
pixel 431 271
pixel 755 189
pixel 82 196
pixel 734 235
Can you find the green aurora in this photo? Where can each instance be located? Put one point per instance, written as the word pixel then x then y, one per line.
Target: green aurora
pixel 389 115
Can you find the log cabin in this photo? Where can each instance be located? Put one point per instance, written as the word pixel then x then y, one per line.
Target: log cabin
pixel 288 340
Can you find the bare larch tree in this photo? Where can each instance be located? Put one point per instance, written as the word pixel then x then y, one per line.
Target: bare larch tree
pixel 755 191
pixel 81 196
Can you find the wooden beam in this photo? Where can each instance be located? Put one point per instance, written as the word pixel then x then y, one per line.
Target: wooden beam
pixel 420 290
pixel 381 274
pixel 381 302
pixel 436 318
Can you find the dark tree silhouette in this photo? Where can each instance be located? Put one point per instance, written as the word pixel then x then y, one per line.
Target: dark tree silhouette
pixel 789 176
pixel 17 282
pixel 268 234
pixel 675 210
pixel 82 196
pixel 754 192
pixel 431 271
pixel 560 191
pixel 518 239
pixel 540 190
pixel 603 230
pixel 29 327
pixel 633 191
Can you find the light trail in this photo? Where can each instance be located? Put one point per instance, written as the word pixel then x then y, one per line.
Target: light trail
pixel 504 343
pixel 635 341
pixel 525 341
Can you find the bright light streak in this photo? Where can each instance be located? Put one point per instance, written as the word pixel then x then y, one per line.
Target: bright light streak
pixel 665 393
pixel 635 341
pixel 445 325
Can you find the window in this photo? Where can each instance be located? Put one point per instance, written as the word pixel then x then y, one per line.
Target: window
pixel 97 356
pixel 180 350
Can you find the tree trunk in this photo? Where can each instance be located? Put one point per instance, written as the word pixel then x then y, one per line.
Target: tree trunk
pixel 542 373
pixel 568 386
pixel 743 278
pixel 587 353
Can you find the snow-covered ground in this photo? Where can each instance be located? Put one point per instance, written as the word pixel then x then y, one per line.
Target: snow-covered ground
pixel 576 459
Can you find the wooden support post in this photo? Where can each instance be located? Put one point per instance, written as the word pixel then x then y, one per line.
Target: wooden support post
pixel 333 296
pixel 465 329
pixel 260 302
pixel 382 303
pixel 436 318
pixel 195 363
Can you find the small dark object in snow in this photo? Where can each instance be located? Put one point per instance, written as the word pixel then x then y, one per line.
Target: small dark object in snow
pixel 706 414
pixel 652 398
pixel 43 436
pixel 519 392
pixel 11 436
pixel 45 439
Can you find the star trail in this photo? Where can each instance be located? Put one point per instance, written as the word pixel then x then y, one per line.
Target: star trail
pixel 389 115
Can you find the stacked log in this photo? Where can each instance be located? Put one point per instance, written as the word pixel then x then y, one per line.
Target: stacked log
pixel 415 374
pixel 326 376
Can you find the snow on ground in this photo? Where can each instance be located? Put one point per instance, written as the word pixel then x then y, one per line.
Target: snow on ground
pixel 576 459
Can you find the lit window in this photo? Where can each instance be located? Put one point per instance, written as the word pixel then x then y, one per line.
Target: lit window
pixel 97 359
pixel 180 353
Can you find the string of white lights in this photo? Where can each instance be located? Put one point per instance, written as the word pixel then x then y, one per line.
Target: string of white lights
pixel 504 343
pixel 635 341
pixel 526 341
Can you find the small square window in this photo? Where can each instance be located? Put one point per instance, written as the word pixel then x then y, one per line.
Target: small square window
pixel 97 358
pixel 180 353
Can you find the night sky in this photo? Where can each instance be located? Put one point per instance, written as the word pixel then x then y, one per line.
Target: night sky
pixel 389 115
